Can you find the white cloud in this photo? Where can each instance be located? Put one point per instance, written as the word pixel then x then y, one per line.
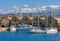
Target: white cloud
pixel 54 6
pixel 15 9
pixel 24 10
pixel 15 6
pixel 1 10
pixel 28 10
pixel 43 7
pixel 25 5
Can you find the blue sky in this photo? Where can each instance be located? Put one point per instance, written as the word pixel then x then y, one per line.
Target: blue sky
pixel 32 3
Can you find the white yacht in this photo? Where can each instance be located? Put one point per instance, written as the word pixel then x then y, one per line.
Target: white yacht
pixel 24 28
pixel 36 30
pixel 51 31
pixel 12 28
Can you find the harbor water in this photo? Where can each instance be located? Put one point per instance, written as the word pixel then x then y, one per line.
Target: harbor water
pixel 23 36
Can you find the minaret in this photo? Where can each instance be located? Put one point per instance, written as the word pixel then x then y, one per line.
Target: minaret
pixel 20 14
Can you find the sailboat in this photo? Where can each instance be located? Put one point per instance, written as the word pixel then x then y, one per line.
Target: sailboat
pixel 37 30
pixel 51 31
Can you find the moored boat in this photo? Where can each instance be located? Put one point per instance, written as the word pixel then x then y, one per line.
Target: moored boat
pixel 24 28
pixel 37 30
pixel 51 31
pixel 12 28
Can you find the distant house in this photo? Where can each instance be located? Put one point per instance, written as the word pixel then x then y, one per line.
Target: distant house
pixel 28 19
pixel 58 20
pixel 33 20
pixel 4 22
pixel 25 20
pixel 14 21
pixel 51 22
pixel 38 22
pixel 8 20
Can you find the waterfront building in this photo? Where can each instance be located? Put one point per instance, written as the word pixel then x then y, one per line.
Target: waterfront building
pixel 33 20
pixel 58 20
pixel 51 22
pixel 4 22
pixel 9 19
pixel 28 19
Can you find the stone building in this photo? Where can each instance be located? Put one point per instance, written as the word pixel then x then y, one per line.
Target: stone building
pixel 51 22
pixel 58 20
pixel 4 22
pixel 33 20
pixel 8 20
pixel 36 21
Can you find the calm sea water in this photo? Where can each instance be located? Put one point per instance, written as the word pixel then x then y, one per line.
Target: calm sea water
pixel 21 36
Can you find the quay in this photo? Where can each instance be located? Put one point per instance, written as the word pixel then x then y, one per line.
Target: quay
pixel 3 29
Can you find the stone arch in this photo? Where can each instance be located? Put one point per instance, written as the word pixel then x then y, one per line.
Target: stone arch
pixel 4 22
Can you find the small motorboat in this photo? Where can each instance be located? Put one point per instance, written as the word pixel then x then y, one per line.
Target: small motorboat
pixel 36 30
pixel 24 28
pixel 12 28
pixel 51 31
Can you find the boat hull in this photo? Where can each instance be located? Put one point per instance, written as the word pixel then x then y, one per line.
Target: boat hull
pixel 52 31
pixel 37 31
